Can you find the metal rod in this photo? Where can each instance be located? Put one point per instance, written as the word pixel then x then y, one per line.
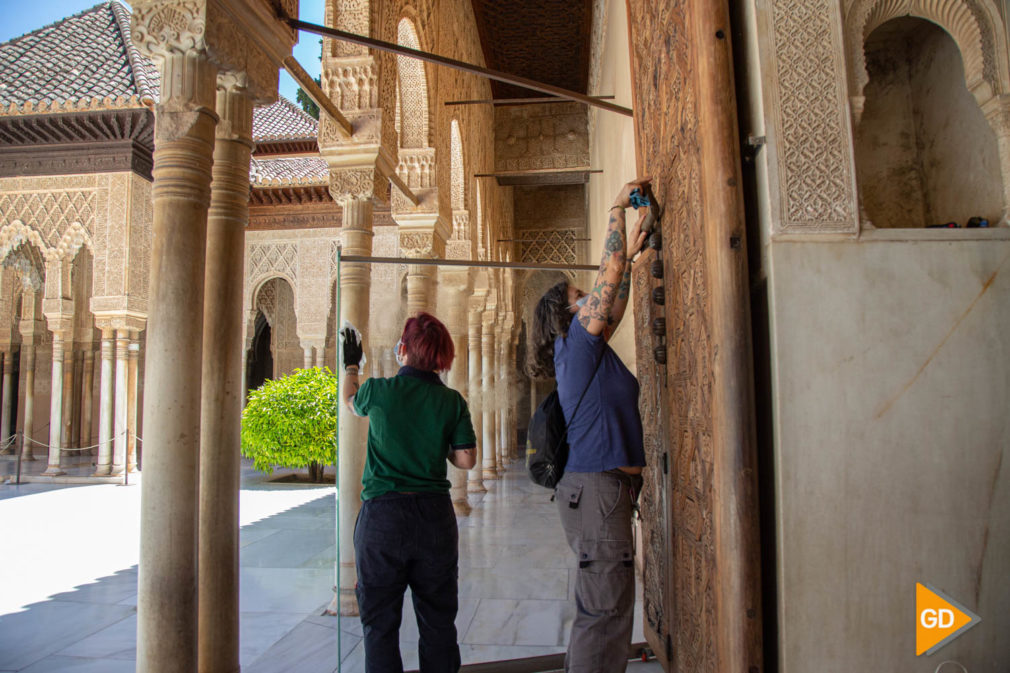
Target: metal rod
pixel 458 65
pixel 20 448
pixel 518 101
pixel 427 261
pixel 537 171
pixel 316 93
pixel 532 240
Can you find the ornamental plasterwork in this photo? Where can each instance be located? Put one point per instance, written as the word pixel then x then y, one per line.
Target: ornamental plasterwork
pixel 417 167
pixel 460 225
pixel 273 259
pixel 46 217
pixel 421 244
pixel 359 183
pixel 812 146
pixel 541 136
pixel 77 105
pixel 967 21
pixel 553 246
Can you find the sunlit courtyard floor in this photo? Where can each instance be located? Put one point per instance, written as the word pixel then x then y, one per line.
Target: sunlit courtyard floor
pixel 68 579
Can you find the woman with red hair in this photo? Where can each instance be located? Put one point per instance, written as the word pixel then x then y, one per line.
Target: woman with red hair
pixel 406 531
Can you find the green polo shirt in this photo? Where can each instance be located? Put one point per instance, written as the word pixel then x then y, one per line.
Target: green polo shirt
pixel 414 420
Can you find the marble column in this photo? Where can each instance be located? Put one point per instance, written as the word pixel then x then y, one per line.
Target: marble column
pixel 74 431
pixel 184 144
pixel 475 480
pixel 320 355
pixel 502 401
pixel 28 424
pixel 56 408
pixel 7 391
pixel 132 393
pixel 355 281
pixel 67 417
pixel 87 395
pixel 452 309
pixel 418 288
pixel 490 466
pixel 220 457
pixel 105 393
pixel 307 357
pixel 119 422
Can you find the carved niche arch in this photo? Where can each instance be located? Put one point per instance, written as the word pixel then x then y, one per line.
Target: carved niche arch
pixel 974 25
pixel 456 172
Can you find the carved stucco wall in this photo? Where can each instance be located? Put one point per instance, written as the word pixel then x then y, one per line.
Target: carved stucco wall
pixel 306 259
pixel 541 136
pixel 110 213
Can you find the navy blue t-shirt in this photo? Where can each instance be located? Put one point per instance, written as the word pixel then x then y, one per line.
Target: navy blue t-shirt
pixel 606 432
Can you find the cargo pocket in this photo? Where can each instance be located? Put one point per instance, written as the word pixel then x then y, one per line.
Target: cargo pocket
pixel 569 499
pixel 605 583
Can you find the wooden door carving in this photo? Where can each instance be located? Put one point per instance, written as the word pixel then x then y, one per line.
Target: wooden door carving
pixel 700 547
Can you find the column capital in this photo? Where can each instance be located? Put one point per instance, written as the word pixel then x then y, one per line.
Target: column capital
pixel 234 108
pixel 237 35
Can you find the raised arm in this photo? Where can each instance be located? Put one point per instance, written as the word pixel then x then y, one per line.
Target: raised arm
pixel 636 239
pixel 598 312
pixel 352 350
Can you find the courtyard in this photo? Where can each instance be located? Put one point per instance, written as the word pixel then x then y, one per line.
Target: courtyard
pixel 68 592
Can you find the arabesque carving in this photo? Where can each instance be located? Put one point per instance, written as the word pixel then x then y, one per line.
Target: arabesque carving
pixel 159 28
pixel 279 258
pixel 967 22
pixel 813 151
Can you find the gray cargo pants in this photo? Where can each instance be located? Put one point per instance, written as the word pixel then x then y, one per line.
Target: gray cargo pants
pixel 596 510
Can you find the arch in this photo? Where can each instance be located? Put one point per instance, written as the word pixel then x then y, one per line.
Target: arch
pixel 275 300
pixel 974 25
pixel 456 167
pixel 257 284
pixel 412 91
pixel 910 169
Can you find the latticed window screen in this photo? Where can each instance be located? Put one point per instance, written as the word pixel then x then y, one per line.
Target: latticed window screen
pixel 554 246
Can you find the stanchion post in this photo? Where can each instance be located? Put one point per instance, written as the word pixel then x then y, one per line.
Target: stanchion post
pixel 20 444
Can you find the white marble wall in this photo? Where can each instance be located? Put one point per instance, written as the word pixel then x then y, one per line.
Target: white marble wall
pixel 891 381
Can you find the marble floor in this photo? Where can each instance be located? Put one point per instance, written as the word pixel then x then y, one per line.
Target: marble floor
pixel 68 582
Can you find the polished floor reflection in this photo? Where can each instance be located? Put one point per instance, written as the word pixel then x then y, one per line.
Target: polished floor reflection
pixel 63 610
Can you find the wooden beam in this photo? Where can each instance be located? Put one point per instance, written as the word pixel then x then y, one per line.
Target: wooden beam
pixel 315 92
pixel 517 101
pixel 458 65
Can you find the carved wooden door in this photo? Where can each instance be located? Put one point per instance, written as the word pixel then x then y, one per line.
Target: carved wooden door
pixel 699 505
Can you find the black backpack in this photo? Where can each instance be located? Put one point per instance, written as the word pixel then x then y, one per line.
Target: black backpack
pixel 547 439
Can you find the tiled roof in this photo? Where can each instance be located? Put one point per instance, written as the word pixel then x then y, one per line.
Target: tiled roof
pixel 288 171
pixel 283 120
pixel 88 60
pixel 81 61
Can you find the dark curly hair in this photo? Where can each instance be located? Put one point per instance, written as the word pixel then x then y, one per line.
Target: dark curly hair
pixel 551 319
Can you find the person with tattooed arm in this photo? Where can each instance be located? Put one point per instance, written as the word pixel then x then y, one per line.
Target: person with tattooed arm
pixel 602 478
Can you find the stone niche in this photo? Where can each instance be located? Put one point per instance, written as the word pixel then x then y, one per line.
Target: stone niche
pixel 924 151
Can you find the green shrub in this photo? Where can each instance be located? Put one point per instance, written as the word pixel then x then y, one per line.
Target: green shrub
pixel 292 422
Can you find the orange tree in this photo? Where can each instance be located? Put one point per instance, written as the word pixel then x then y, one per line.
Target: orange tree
pixel 292 422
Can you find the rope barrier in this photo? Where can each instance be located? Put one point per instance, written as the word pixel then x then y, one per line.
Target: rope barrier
pixel 47 447
pixel 9 442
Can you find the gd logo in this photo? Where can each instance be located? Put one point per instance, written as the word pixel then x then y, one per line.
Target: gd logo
pixel 939 619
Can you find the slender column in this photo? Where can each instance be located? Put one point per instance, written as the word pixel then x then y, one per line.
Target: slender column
pixel 221 380
pixel 389 366
pixel 28 371
pixel 452 293
pixel 56 408
pixel 502 401
pixel 119 438
pixel 320 359
pixel 105 392
pixel 490 467
pixel 475 481
pixel 67 415
pixel 355 283
pixel 307 356
pixel 72 420
pixel 418 288
pixel 997 113
pixel 5 412
pixel 167 583
pixel 87 395
pixel 132 391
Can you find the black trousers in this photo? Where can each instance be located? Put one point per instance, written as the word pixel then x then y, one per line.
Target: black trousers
pixel 403 540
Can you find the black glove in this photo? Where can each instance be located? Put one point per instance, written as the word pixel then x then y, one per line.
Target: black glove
pixel 352 347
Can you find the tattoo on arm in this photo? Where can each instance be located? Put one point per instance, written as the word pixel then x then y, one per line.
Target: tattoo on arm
pixel 625 288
